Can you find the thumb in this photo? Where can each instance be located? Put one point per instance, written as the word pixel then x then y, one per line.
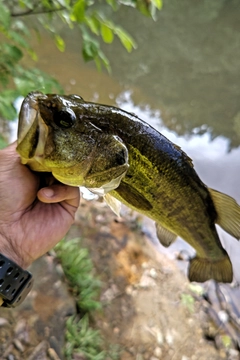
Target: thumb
pixel 58 192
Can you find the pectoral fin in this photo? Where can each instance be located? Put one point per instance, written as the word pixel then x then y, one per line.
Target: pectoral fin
pixel 228 212
pixel 165 236
pixel 133 197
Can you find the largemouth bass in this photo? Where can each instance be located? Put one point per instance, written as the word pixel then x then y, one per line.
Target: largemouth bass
pixel 121 157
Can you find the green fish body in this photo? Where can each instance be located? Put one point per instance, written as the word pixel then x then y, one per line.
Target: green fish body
pixel 117 154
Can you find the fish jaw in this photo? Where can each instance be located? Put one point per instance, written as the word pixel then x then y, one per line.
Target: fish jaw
pixel 32 133
pixel 27 114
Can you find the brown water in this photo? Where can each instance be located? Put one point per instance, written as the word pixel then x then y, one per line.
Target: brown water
pixel 184 79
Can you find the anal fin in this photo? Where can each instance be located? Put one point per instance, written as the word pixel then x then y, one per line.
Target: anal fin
pixel 165 236
pixel 228 212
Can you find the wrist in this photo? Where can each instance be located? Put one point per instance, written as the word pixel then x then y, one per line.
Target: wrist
pixel 12 253
pixel 15 282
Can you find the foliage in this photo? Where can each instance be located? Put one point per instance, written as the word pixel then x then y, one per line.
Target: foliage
pixel 93 19
pixel 78 269
pixel 81 338
pixel 188 301
pixel 3 143
pixel 227 341
pixel 196 289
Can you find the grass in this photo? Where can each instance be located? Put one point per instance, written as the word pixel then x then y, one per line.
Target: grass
pixel 84 340
pixel 188 301
pixel 81 337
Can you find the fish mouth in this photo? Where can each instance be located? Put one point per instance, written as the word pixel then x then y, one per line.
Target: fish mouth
pixel 32 132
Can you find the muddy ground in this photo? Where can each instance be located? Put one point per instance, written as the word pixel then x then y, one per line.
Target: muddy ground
pixel 149 309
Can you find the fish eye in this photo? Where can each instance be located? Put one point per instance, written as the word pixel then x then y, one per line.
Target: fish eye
pixel 64 118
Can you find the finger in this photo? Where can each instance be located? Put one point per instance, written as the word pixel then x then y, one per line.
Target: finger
pixel 58 193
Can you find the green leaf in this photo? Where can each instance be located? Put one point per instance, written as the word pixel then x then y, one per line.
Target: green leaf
pixel 18 39
pixel 19 26
pixel 29 80
pixel 107 33
pixel 90 47
pixel 226 340
pixel 98 63
pixel 125 39
pixel 188 301
pixel 157 3
pixel 60 43
pixel 149 8
pixel 12 53
pixel 143 8
pixel 5 19
pixel 78 13
pixel 91 51
pixel 113 4
pixel 48 3
pixel 104 60
pixel 93 24
pixel 33 55
pixel 7 109
pixel 26 4
pixel 67 3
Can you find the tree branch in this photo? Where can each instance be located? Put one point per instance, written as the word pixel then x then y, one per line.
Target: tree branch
pixel 37 12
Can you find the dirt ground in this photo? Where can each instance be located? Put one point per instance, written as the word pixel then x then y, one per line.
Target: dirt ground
pixel 149 309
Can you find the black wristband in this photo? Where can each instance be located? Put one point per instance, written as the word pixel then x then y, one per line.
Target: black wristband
pixel 15 283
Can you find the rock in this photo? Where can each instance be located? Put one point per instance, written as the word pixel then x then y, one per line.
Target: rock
pixel 52 354
pixel 40 351
pixel 157 352
pixel 18 345
pixel 3 322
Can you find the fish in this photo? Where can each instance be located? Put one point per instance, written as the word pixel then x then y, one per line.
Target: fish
pixel 117 155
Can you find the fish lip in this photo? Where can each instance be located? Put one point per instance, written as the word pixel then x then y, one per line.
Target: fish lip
pixel 42 138
pixel 29 114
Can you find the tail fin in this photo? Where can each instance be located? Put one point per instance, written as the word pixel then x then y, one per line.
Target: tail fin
pixel 201 270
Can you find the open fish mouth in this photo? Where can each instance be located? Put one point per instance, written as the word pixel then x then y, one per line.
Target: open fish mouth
pixel 49 140
pixel 27 114
pixel 32 131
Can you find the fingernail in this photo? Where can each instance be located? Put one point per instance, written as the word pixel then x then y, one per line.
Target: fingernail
pixel 48 192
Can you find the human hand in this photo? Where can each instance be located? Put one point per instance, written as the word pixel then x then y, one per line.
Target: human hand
pixel 32 219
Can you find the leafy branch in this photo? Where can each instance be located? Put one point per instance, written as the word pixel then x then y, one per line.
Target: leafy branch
pixel 92 19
